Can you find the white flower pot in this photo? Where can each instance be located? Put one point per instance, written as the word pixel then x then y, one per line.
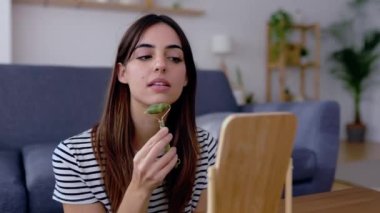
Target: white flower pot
pixel 239 96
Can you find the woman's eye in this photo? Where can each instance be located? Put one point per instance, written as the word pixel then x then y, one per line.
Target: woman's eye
pixel 144 57
pixel 175 59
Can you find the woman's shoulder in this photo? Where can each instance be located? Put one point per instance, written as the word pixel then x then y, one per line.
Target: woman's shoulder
pixel 204 136
pixel 75 147
pixel 77 173
pixel 207 143
pixel 79 138
pixel 78 141
pixel 207 155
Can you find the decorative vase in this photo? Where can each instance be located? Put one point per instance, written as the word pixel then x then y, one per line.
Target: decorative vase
pixel 239 96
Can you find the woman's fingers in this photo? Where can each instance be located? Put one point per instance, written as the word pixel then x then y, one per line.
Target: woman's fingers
pixel 167 166
pixel 151 175
pixel 151 142
pixel 155 153
pixel 163 165
pixel 157 150
pixel 151 164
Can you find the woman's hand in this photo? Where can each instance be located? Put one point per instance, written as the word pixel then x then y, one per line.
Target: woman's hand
pixel 149 169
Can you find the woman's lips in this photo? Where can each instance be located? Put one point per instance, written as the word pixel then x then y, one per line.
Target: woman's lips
pixel 159 85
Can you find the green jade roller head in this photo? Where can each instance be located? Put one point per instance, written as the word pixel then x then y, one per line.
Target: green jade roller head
pixel 158 110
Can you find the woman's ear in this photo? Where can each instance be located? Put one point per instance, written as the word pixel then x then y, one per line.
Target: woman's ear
pixel 185 84
pixel 121 73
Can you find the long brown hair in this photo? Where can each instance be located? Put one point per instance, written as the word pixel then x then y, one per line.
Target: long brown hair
pixel 113 135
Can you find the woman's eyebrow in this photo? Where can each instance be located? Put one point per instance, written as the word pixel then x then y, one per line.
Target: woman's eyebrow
pixel 173 46
pixel 144 45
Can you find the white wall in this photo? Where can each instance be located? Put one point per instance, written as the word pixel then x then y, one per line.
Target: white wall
pixel 72 36
pixel 5 31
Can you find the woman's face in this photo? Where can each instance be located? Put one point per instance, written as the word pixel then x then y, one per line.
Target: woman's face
pixel 156 70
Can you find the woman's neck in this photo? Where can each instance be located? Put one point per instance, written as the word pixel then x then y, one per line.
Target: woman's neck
pixel 145 127
pixel 144 130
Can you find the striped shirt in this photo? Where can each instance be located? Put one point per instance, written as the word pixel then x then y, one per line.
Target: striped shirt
pixel 79 181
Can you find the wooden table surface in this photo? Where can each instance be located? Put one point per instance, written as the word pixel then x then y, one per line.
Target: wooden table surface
pixel 352 200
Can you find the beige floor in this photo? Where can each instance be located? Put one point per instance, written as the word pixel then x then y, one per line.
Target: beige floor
pixel 365 173
pixel 353 153
pixel 339 185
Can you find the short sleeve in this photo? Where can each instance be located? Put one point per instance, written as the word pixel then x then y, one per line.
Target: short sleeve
pixel 212 148
pixel 69 185
pixel 207 156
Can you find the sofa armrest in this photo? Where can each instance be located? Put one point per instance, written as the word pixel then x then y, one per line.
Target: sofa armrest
pixel 318 131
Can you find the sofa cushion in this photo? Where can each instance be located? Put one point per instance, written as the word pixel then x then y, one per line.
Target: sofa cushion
pixel 12 191
pixel 40 178
pixel 304 164
pixel 214 93
pixel 212 122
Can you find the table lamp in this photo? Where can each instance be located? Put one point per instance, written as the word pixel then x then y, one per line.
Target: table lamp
pixel 221 46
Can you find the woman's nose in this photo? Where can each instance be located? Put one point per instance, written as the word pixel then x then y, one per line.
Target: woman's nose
pixel 160 64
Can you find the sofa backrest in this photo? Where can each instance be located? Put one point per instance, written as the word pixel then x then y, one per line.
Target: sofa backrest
pixel 46 104
pixel 214 93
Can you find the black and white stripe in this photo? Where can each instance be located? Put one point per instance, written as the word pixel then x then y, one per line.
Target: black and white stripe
pixel 78 176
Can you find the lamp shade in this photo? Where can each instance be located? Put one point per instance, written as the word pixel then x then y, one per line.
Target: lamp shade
pixel 221 44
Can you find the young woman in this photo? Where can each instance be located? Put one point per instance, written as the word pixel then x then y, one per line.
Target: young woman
pixel 119 165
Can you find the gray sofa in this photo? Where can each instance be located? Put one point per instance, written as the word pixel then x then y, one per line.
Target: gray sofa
pixel 42 105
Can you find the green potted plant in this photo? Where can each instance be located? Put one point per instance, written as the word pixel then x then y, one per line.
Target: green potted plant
pixel 355 62
pixel 280 25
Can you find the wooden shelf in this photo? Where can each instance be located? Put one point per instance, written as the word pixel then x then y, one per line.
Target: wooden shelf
pixel 302 66
pixel 112 6
pixel 290 58
pixel 301 26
